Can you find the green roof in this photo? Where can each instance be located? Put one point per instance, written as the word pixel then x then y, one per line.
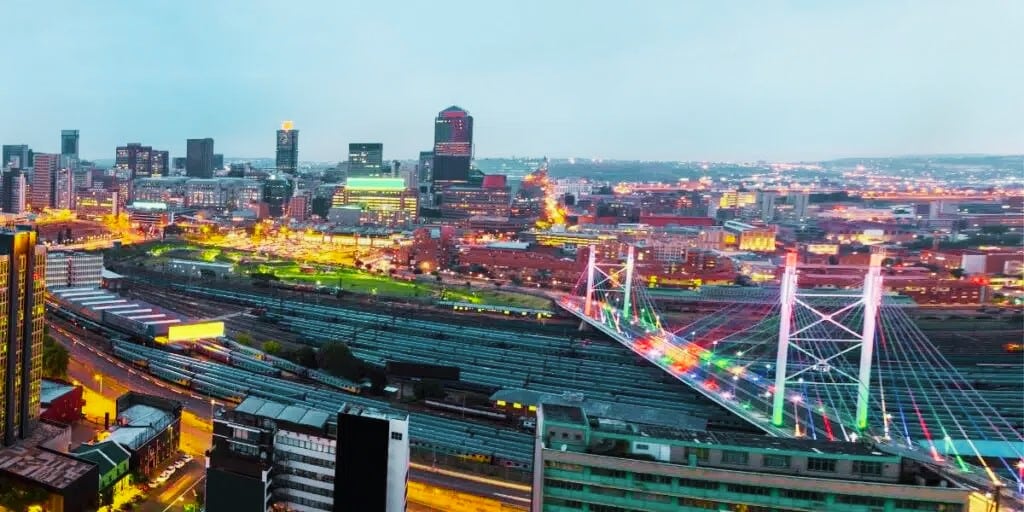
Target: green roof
pixel 375 184
pixel 107 455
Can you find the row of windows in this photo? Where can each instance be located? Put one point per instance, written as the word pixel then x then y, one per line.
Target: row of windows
pixel 312 475
pixel 319 505
pixel 306 444
pixel 316 461
pixel 319 491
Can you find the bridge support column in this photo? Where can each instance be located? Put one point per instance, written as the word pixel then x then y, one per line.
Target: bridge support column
pixel 872 300
pixel 628 298
pixel 591 263
pixel 786 301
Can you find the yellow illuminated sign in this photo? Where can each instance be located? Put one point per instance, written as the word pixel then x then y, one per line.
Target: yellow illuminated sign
pixel 190 332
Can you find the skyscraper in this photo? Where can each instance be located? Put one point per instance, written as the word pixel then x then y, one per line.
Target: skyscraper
pixel 69 149
pixel 425 178
pixel 287 148
pixel 158 163
pixel 218 161
pixel 135 158
pixel 23 278
pixel 366 159
pixel 13 188
pixel 16 156
pixel 453 146
pixel 44 178
pixel 199 158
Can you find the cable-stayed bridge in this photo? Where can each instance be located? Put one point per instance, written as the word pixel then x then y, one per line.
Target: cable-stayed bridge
pixel 844 365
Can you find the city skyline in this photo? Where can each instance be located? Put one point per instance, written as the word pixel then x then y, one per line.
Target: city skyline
pixel 747 82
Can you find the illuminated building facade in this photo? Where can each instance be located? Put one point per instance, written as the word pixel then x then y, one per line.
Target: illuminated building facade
pixel 228 193
pixel 366 159
pixel 95 204
pixel 287 148
pixel 164 190
pixel 453 147
pixel 23 280
pixel 746 237
pixel 142 161
pixel 491 199
pixel 44 180
pixel 382 201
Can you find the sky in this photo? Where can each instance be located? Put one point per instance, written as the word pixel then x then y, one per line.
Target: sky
pixel 645 80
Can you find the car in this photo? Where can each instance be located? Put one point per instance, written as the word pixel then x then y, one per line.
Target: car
pixel 186 458
pixel 180 464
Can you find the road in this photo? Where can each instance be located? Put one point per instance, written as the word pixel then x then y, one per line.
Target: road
pixel 87 362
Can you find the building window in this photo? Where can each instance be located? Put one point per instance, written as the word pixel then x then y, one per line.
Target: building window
pixel 397 436
pixel 701 453
pixel 607 491
pixel 640 446
pixel 562 484
pixel 749 489
pixel 867 501
pixel 610 473
pixel 698 484
pixel 795 494
pixel 776 461
pixel 868 468
pixel 821 465
pixel 734 457
pixel 657 479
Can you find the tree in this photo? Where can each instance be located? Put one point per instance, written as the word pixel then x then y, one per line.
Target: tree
pixel 243 338
pixel 272 347
pixel 55 359
pixel 305 356
pixel 337 359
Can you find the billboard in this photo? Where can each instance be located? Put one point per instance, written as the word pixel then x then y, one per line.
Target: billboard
pixel 198 331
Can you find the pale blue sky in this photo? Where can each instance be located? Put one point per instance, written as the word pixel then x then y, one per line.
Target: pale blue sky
pixel 674 79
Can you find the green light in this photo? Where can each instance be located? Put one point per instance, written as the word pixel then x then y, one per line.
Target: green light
pixel 375 184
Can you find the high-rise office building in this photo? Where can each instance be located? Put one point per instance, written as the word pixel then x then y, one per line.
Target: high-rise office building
pixel 69 149
pixel 800 202
pixel 366 160
pixel 766 204
pixel 13 191
pixel 135 158
pixel 16 156
pixel 424 179
pixel 178 165
pixel 267 454
pixel 44 180
pixel 277 192
pixel 199 158
pixel 453 146
pixel 287 148
pixel 64 189
pixel 159 160
pixel 23 278
pixel 218 161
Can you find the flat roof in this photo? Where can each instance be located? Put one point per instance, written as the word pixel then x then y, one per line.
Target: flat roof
pixel 99 300
pixel 30 461
pixel 51 390
pixel 138 424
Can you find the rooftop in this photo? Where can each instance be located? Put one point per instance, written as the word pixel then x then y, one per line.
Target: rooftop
pixel 107 455
pixel 52 390
pixel 280 412
pixel 138 424
pixel 29 460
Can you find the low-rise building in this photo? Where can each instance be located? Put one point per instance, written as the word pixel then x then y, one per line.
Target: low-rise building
pixel 585 462
pixel 149 427
pixel 60 401
pixel 70 269
pixel 112 461
pixel 268 454
pixel 43 476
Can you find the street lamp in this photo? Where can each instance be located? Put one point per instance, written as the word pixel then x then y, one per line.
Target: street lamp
pixel 212 403
pixel 99 378
pixel 796 414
